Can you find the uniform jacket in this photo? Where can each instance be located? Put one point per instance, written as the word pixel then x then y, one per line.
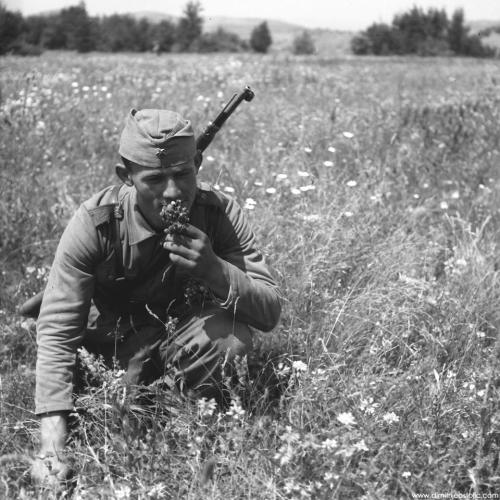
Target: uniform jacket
pixel 84 274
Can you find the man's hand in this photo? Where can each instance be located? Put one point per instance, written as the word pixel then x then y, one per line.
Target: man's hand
pixel 52 472
pixel 191 250
pixel 50 468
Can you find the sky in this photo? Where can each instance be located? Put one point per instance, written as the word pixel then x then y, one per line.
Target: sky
pixel 333 14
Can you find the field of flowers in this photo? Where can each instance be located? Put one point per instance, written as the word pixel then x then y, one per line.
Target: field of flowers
pixel 373 186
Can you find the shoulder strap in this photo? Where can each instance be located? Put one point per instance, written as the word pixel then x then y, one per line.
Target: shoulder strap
pixel 115 228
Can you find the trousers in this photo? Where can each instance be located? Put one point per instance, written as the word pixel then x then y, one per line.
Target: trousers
pixel 191 356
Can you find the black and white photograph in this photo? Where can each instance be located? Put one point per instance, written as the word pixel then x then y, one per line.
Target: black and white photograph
pixel 249 250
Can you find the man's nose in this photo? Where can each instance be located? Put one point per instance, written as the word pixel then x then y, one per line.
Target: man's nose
pixel 171 191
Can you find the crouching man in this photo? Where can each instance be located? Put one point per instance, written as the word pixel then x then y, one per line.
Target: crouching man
pixel 120 271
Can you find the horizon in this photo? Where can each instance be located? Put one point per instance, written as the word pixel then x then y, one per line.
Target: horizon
pixel 347 15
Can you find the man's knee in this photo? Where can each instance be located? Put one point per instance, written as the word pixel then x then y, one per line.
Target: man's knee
pixel 230 337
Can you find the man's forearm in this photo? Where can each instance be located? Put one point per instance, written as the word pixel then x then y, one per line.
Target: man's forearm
pixel 218 279
pixel 53 432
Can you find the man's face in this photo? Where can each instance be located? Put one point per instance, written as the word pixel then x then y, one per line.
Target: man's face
pixel 159 186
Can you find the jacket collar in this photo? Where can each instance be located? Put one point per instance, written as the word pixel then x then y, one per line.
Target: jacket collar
pixel 138 228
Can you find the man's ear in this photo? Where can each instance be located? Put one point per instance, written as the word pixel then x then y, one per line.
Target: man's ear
pixel 123 174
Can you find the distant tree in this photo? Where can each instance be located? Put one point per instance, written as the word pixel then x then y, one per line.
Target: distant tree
pixel 118 33
pixel 457 32
pixel 422 33
pixel 361 45
pixel 163 36
pixel 11 28
pixel 384 40
pixel 190 26
pixel 77 26
pixel 303 44
pixel 54 34
pixel 143 34
pixel 260 38
pixel 35 27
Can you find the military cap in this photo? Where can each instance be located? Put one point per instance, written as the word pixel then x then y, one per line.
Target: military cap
pixel 157 137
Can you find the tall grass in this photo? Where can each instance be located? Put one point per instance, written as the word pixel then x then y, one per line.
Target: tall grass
pixel 376 188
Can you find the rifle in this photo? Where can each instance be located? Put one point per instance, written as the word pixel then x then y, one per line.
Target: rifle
pixel 31 308
pixel 203 141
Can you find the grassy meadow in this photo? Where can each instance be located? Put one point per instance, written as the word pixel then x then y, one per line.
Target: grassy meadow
pixel 373 186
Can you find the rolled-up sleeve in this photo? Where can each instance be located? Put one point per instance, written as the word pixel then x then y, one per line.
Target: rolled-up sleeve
pixel 253 295
pixel 64 312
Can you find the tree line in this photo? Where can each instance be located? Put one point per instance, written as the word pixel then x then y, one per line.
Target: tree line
pixel 422 33
pixel 73 29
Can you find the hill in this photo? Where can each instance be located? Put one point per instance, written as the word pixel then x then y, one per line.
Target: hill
pixel 328 42
pixel 485 29
pixel 481 25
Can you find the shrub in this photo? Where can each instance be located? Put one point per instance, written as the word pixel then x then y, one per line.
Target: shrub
pixel 260 38
pixel 303 44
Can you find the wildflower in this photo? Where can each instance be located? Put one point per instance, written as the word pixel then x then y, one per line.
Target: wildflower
pixel 455 195
pixel 390 418
pixel 461 263
pixel 30 269
pixel 157 490
pixel 271 190
pixel 352 184
pixel 27 324
pixel 368 406
pixel 210 159
pixel 443 205
pixel 480 334
pixel 361 446
pixel 206 407
pixel 332 149
pixel 258 183
pixel 329 444
pixel 200 98
pixel 295 191
pixel 301 173
pixel 122 492
pixel 235 410
pixel 229 189
pixel 346 418
pixel 74 85
pixel 109 95
pixel 406 474
pixel 40 125
pixel 347 214
pixel 416 196
pixel 104 88
pixel 281 177
pixel 282 370
pixel 311 217
pixel 299 366
pixel 309 187
pixel 328 163
pixel 348 135
pixel 250 203
pixel 85 88
pixel 308 150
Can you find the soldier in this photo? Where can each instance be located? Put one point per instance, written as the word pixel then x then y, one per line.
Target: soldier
pixel 117 275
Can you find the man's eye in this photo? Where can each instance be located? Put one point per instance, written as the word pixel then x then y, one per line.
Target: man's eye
pixel 155 179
